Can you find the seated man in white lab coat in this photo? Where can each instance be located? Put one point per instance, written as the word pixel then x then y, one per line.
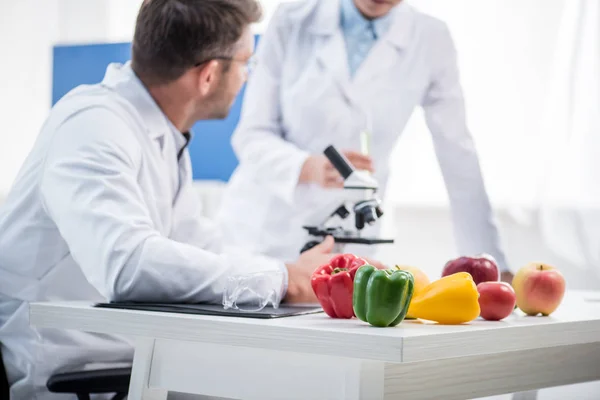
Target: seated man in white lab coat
pixel 103 207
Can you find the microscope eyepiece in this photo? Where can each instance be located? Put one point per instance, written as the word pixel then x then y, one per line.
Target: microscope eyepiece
pixel 339 161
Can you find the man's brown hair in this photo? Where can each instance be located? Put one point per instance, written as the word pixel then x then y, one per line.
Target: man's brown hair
pixel 172 36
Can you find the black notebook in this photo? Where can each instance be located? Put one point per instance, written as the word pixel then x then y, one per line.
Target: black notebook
pixel 214 309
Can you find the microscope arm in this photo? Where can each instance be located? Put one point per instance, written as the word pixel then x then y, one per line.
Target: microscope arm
pixel 360 191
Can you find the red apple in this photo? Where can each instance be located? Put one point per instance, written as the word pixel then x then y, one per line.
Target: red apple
pixel 483 268
pixel 540 288
pixel 496 300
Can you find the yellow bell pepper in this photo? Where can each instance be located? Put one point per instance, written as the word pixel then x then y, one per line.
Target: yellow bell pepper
pixel 451 300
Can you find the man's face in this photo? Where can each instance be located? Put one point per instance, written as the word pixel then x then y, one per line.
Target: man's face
pixel 233 77
pixel 375 8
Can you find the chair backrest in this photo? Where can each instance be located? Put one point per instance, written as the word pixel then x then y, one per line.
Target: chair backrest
pixel 4 388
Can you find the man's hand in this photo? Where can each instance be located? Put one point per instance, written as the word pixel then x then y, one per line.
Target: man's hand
pixel 299 273
pixel 317 169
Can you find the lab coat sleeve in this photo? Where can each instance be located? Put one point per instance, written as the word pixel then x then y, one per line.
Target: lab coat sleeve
pixel 195 229
pixel 444 109
pixel 259 141
pixel 89 189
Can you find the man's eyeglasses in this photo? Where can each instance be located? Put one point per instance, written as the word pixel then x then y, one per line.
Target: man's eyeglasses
pixel 250 64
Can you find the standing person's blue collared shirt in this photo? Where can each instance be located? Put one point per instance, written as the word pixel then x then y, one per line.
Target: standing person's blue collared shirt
pixel 360 33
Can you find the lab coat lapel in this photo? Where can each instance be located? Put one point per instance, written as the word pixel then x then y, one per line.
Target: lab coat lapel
pixel 122 79
pixel 333 57
pixel 389 49
pixel 332 54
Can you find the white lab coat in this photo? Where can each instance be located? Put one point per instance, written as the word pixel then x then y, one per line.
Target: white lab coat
pixel 102 210
pixel 300 99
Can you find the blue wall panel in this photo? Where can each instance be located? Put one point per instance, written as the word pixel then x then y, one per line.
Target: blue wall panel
pixel 83 64
pixel 210 151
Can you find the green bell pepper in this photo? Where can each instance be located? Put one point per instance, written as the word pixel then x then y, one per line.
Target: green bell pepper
pixel 381 297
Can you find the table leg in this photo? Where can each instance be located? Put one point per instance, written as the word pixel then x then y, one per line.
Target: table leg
pixel 530 395
pixel 140 373
pixel 364 380
pixel 262 374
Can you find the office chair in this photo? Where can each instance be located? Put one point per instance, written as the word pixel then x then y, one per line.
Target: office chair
pixel 3 378
pixel 82 384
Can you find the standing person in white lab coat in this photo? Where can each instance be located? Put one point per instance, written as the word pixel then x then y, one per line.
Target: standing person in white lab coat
pixel 326 71
pixel 103 208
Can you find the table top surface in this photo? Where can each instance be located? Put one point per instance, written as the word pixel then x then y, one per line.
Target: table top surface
pixel 576 321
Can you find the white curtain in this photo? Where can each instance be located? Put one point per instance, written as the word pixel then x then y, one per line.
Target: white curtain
pixel 569 196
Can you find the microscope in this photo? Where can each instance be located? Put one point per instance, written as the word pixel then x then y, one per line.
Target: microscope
pixel 362 202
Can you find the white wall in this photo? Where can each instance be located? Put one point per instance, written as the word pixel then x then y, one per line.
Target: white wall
pixel 27 30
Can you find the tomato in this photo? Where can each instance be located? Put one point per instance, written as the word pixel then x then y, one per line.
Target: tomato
pixel 496 299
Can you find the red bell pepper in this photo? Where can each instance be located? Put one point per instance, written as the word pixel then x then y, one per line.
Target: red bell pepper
pixel 333 285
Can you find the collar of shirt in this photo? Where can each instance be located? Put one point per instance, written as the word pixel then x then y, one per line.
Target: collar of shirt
pixel 182 139
pixel 353 22
pixel 123 79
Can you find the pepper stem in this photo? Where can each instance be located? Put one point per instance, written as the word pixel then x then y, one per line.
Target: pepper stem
pixel 338 270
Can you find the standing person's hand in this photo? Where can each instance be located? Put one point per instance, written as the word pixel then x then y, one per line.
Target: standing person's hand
pixel 317 169
pixel 300 272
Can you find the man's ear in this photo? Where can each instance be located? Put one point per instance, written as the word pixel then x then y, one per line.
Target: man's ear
pixel 207 76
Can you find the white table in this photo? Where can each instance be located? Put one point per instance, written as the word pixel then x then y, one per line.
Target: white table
pixel 315 357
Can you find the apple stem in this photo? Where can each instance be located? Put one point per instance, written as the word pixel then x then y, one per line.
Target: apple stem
pixel 541 267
